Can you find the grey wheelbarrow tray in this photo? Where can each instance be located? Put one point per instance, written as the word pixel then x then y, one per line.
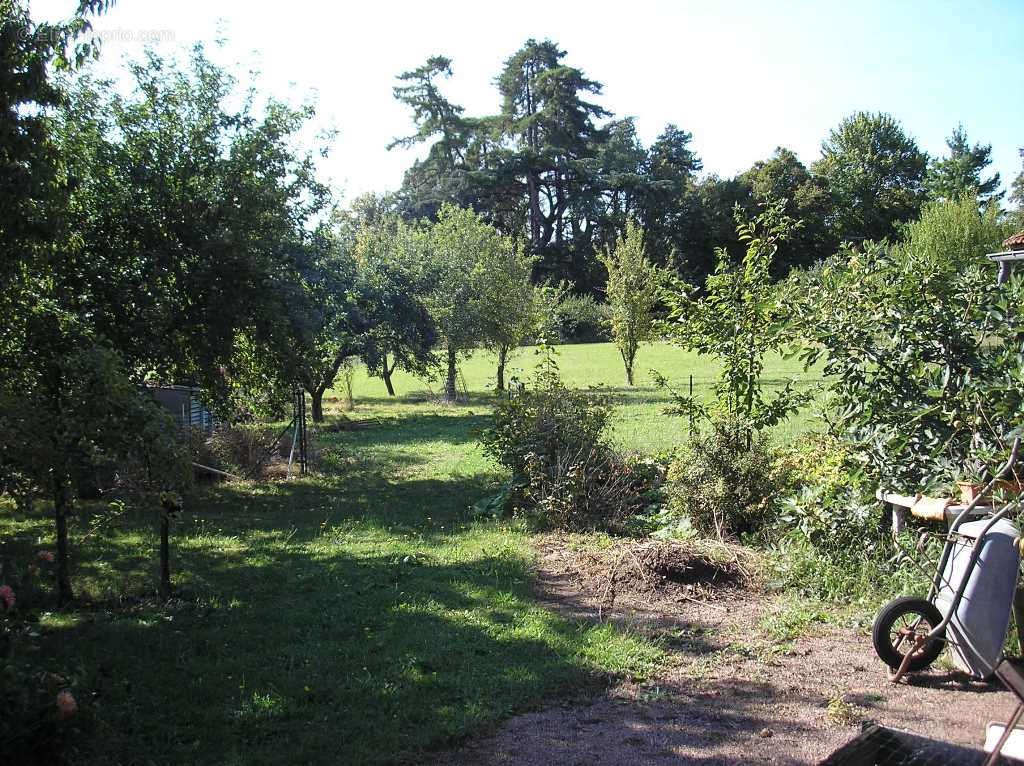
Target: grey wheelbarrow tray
pixel 952 594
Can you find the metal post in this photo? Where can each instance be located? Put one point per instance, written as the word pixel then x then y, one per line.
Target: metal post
pixel 302 432
pixel 691 404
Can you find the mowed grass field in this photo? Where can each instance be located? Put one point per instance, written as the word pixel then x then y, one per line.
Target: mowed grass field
pixel 640 422
pixel 358 615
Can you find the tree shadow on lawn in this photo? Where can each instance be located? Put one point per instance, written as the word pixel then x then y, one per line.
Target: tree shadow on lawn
pixel 308 653
pixel 418 428
pixel 427 508
pixel 466 400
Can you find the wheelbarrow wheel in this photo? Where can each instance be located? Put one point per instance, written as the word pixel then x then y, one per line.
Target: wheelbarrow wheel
pixel 898 627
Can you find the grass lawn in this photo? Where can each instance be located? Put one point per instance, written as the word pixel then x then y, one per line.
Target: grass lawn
pixel 640 422
pixel 358 616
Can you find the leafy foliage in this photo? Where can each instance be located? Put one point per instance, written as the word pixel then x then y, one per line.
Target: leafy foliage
pixel 470 263
pixel 190 220
pixel 738 320
pixel 393 269
pixel 830 539
pixel 1017 194
pixel 875 174
pixel 512 306
pixel 565 475
pixel 545 421
pixel 959 174
pixel 923 350
pixel 581 319
pixel 784 177
pixel 633 289
pixel 724 484
pixel 80 408
pixel 831 506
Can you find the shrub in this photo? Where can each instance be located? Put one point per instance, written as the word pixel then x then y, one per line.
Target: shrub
pixel 565 475
pixel 920 348
pixel 581 319
pixel 547 423
pixel 246 450
pixel 724 486
pixel 830 539
pixel 597 489
pixel 831 506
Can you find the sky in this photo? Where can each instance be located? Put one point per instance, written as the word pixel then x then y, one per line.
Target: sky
pixel 743 76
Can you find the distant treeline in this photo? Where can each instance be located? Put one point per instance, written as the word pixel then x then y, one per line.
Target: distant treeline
pixel 561 172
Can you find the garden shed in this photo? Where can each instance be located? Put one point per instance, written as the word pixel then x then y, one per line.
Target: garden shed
pixel 185 406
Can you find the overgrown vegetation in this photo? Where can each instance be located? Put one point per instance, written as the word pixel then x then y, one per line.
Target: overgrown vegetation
pixel 565 475
pixel 931 384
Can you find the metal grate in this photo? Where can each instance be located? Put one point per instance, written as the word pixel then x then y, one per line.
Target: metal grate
pixel 881 746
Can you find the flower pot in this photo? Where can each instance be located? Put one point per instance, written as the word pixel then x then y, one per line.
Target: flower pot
pixel 969 490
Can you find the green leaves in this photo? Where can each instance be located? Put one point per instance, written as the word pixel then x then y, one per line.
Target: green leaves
pixel 739 320
pixel 923 357
pixel 633 289
pixel 874 173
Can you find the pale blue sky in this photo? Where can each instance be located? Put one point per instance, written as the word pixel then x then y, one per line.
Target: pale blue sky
pixel 743 77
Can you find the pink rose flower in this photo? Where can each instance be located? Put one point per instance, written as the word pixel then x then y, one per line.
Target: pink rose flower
pixel 66 705
pixel 45 556
pixel 7 596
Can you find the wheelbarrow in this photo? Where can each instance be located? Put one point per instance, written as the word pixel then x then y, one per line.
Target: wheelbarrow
pixel 973 589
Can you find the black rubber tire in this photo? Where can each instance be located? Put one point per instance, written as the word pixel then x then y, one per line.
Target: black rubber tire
pixel 910 607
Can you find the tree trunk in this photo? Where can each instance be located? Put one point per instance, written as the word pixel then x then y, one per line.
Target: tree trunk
pixel 316 399
pixel 62 509
pixel 385 373
pixel 165 556
pixel 627 362
pixel 502 357
pixel 534 210
pixel 449 387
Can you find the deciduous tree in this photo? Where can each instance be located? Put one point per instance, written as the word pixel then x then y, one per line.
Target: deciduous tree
pixel 633 289
pixel 392 264
pixel 511 305
pixel 874 173
pixel 738 321
pixel 463 249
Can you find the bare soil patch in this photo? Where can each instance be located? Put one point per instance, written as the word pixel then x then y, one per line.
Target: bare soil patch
pixel 733 693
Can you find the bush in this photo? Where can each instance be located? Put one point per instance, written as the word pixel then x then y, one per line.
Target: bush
pixel 830 539
pixel 595 490
pixel 723 486
pixel 832 506
pixel 246 450
pixel 581 319
pixel 920 349
pixel 565 475
pixel 547 422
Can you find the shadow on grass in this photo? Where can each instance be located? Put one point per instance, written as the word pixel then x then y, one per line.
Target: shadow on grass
pixel 336 648
pixel 418 428
pixel 466 400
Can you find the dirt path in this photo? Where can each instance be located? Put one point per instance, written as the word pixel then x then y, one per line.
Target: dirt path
pixel 731 695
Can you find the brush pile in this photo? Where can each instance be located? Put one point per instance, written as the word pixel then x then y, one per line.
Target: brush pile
pixel 650 572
